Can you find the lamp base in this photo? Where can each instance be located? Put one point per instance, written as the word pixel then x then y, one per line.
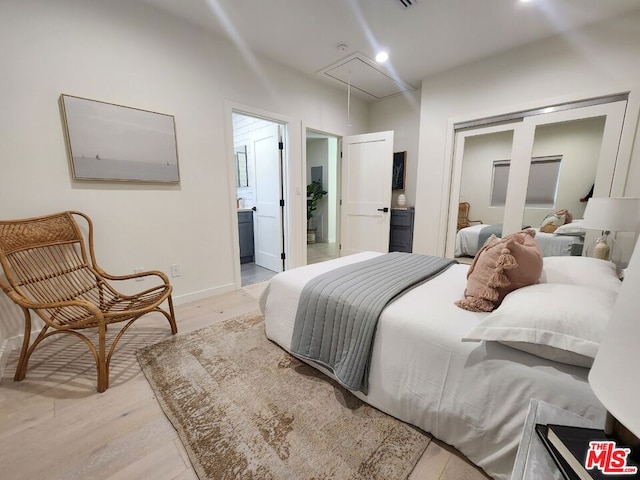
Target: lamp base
pixel 602 250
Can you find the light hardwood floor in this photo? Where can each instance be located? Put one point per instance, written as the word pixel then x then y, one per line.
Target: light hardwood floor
pixel 54 425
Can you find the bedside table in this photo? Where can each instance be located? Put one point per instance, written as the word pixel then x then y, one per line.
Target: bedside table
pixel 401 229
pixel 533 462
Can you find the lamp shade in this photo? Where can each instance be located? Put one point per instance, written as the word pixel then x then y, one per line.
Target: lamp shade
pixel 613 376
pixel 615 214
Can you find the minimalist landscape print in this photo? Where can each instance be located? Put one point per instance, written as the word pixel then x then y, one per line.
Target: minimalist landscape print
pixel 112 142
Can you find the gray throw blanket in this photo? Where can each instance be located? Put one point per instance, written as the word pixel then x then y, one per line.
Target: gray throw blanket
pixel 338 311
pixel 489 230
pixel 486 232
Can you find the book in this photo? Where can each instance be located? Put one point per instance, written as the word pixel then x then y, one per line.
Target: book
pixel 564 468
pixel 592 454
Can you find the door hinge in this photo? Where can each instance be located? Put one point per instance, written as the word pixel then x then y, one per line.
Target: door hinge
pixel 281 202
pixel 340 154
pixel 340 201
pixel 340 246
pixel 280 145
pixel 283 256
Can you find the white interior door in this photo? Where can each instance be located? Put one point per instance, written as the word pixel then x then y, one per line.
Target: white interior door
pixel 367 164
pixel 268 212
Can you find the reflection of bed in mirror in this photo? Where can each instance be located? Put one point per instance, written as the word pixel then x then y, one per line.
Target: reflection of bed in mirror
pixel 470 239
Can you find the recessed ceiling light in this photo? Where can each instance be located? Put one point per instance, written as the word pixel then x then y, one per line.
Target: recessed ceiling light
pixel 382 57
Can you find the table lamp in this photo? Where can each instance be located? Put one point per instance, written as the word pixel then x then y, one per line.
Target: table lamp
pixel 613 376
pixel 611 214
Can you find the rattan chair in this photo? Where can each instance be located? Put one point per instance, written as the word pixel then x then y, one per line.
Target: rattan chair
pixel 463 216
pixel 51 269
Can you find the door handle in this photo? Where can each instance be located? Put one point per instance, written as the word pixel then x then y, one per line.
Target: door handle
pixel 385 209
pixel 254 209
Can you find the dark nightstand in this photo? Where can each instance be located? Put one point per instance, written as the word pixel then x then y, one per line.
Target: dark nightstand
pixel 401 230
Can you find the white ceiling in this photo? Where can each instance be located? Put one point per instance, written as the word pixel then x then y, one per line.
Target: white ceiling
pixel 429 37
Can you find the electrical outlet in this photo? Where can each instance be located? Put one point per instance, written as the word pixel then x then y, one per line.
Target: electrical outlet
pixel 139 270
pixel 175 270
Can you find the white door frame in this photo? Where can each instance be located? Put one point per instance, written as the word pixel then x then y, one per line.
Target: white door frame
pixel 288 170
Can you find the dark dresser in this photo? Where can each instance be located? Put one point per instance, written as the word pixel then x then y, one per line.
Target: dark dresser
pixel 401 230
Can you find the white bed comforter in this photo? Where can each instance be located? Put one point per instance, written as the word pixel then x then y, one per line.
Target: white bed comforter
pixel 473 396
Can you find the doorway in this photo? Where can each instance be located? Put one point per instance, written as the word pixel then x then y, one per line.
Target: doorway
pixel 323 187
pixel 259 147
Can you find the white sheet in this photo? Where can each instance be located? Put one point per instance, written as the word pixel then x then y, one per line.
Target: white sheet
pixel 473 396
pixel 550 244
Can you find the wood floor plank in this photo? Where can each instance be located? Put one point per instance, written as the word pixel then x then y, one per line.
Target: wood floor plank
pixel 164 463
pixel 432 464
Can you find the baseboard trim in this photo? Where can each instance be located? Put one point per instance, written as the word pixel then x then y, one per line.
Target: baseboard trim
pixel 202 294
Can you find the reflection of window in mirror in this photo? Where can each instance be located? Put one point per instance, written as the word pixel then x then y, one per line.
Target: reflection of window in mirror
pixel 241 165
pixel 542 186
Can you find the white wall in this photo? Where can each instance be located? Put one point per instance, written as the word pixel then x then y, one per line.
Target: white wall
pixel 402 115
pixel 603 58
pixel 131 54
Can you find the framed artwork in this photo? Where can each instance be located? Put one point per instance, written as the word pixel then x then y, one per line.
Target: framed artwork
pixel 399 159
pixel 116 143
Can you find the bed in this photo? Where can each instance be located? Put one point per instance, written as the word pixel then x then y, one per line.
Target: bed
pixel 472 395
pixel 470 238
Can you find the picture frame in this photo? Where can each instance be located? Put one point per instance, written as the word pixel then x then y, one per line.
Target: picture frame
pixel 398 176
pixel 109 142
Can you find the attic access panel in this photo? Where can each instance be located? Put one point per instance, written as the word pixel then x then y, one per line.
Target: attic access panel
pixel 365 77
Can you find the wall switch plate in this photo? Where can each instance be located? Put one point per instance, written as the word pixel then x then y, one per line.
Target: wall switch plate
pixel 175 270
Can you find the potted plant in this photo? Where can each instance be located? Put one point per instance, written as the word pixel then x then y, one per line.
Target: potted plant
pixel 314 195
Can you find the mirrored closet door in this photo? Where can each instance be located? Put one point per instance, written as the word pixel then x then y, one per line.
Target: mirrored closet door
pixel 513 173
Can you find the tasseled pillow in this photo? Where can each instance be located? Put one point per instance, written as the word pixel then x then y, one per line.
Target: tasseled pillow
pixel 501 266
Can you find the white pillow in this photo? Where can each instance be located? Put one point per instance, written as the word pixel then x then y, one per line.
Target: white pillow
pixel 574 228
pixel 559 322
pixel 587 271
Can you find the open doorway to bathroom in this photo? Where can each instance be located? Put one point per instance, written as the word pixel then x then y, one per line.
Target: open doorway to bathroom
pixel 323 187
pixel 259 152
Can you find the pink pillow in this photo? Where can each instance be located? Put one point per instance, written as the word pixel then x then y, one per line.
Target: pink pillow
pixel 501 266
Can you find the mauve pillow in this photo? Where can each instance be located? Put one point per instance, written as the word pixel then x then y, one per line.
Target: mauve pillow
pixel 501 266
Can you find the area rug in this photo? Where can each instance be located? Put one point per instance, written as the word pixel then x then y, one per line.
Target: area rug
pixel 244 408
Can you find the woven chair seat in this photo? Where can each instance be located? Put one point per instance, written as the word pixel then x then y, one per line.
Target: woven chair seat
pixel 51 270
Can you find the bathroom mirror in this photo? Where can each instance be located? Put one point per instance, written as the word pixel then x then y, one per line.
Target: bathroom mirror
pixel 241 166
